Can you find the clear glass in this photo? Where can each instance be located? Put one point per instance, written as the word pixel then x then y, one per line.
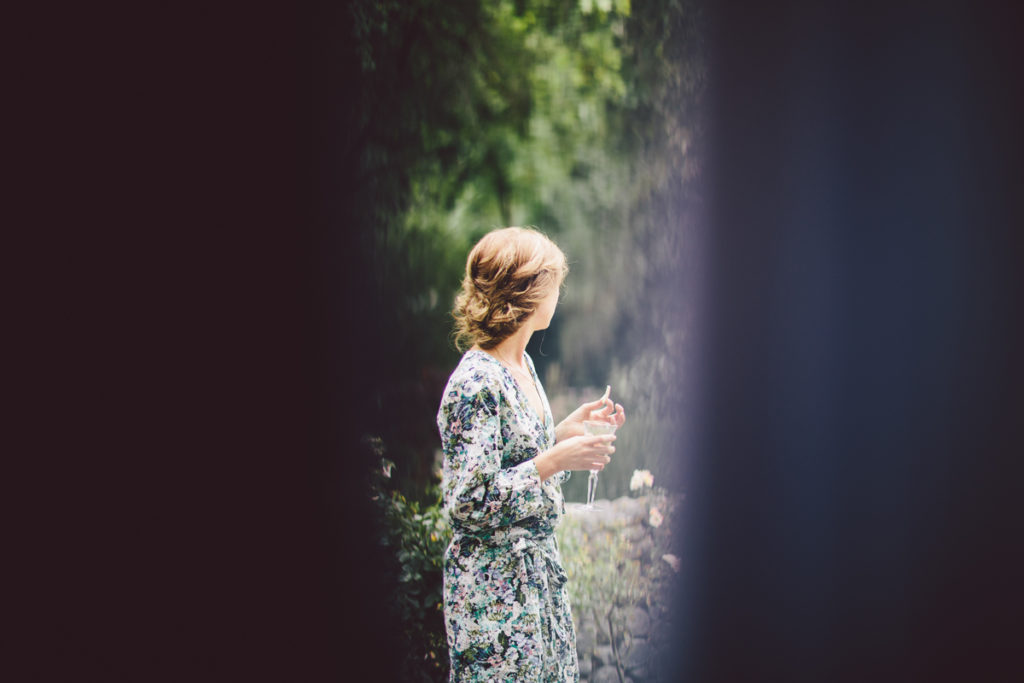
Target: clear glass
pixel 592 428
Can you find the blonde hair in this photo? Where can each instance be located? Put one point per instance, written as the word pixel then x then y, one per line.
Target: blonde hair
pixel 508 273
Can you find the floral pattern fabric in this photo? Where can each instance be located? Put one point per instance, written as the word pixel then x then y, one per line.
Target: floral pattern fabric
pixel 505 602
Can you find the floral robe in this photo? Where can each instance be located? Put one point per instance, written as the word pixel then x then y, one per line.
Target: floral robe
pixel 505 602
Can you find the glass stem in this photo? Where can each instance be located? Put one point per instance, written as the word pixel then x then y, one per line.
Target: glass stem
pixel 591 487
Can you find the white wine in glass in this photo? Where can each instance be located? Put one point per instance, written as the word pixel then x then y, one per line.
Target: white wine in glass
pixel 595 428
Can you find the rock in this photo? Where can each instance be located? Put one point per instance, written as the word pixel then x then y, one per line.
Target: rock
pixel 586 665
pixel 585 640
pixel 639 655
pixel 659 611
pixel 591 520
pixel 638 623
pixel 603 655
pixel 620 512
pixel 642 548
pixel 659 648
pixel 606 674
pixel 634 532
pixel 631 509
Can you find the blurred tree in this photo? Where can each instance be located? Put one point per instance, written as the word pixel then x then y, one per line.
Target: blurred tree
pixel 577 117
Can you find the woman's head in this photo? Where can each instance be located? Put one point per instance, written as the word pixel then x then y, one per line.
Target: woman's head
pixel 509 273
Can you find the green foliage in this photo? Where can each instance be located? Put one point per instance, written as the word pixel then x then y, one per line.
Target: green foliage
pixel 418 536
pixel 580 117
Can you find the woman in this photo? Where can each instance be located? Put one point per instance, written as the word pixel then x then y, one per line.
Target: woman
pixel 506 608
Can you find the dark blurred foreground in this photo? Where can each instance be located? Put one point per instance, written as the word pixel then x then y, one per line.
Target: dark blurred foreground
pixel 856 513
pixel 854 508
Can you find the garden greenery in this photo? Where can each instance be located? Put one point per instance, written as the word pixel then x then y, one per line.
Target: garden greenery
pixel 418 535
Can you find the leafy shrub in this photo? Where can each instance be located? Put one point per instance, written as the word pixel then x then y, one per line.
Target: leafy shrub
pixel 418 537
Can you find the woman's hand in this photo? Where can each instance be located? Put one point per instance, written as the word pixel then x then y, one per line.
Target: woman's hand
pixel 576 453
pixel 601 410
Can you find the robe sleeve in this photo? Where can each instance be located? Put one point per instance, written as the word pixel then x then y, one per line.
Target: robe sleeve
pixel 478 494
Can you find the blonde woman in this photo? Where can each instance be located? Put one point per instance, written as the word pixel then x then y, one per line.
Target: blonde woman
pixel 505 602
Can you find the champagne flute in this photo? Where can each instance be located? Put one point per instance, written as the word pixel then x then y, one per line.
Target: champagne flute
pixel 593 428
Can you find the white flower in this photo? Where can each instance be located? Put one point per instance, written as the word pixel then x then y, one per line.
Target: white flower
pixel 656 518
pixel 640 479
pixel 672 560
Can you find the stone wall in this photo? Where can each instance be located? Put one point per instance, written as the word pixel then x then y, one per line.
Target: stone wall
pixel 620 585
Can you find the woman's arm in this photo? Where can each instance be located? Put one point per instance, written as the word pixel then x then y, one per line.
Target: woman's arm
pixel 478 493
pixel 576 453
pixel 548 464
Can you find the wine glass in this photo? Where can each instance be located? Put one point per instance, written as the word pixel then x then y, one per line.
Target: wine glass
pixel 594 428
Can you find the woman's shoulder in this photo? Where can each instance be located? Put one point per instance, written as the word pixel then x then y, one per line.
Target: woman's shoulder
pixel 476 373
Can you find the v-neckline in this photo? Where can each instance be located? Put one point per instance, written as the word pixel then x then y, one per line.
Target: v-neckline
pixel 543 419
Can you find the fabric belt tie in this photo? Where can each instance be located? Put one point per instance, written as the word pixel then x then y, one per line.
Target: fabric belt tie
pixel 542 558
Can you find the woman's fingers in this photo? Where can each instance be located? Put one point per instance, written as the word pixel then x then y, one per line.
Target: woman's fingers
pixel 591 452
pixel 601 412
pixel 613 414
pixel 600 403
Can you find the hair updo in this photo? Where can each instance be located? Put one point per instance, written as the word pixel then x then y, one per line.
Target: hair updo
pixel 508 273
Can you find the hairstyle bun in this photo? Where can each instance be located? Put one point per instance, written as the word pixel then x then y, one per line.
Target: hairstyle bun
pixel 508 273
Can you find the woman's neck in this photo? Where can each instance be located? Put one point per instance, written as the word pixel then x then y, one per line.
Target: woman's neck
pixel 511 350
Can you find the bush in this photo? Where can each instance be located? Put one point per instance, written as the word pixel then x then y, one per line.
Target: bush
pixel 418 538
